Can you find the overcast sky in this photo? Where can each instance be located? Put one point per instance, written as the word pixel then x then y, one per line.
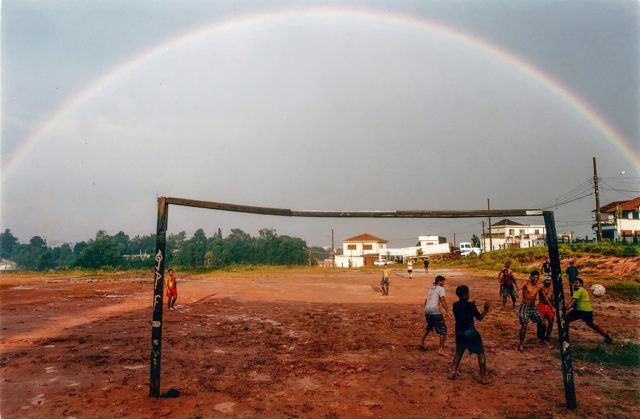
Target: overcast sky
pixel 377 105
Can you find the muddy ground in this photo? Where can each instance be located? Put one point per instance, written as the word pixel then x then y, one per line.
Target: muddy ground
pixel 290 343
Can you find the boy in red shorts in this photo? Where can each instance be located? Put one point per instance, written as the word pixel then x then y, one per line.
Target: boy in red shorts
pixel 545 308
pixel 172 290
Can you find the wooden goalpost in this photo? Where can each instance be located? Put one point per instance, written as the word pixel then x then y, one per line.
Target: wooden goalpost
pixel 551 239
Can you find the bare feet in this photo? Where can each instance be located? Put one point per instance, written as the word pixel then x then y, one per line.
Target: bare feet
pixel 520 348
pixel 441 352
pixel 453 376
pixel 422 347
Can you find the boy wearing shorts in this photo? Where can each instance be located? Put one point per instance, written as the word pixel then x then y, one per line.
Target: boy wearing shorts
pixel 435 298
pixel 384 282
pixel 172 290
pixel 467 337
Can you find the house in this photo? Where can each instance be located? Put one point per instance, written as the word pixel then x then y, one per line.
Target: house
pixel 7 265
pixel 507 234
pixel 361 250
pixel 620 220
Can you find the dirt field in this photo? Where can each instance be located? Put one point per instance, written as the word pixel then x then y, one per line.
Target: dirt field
pixel 314 343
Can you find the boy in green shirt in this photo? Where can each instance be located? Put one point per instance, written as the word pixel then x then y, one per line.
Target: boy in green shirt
pixel 583 310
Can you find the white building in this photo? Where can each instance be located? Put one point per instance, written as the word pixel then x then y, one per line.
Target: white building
pixel 620 220
pixel 7 265
pixel 361 250
pixel 506 234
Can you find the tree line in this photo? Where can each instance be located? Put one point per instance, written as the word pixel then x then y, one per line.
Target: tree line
pixel 119 251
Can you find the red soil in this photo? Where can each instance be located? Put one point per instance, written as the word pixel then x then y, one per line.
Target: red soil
pixel 314 343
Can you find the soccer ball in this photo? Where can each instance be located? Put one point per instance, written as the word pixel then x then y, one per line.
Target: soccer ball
pixel 598 290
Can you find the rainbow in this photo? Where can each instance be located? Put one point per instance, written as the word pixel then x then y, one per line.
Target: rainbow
pixel 579 105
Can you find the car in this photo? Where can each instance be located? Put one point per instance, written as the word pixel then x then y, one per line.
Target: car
pixel 382 262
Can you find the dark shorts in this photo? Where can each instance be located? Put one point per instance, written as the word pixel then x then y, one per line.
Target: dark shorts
pixel 471 340
pixel 585 316
pixel 436 321
pixel 384 281
pixel 529 313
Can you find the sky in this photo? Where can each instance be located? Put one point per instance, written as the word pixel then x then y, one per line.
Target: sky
pixel 332 105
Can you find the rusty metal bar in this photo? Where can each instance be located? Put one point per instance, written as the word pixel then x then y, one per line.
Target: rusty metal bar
pixel 352 214
pixel 561 312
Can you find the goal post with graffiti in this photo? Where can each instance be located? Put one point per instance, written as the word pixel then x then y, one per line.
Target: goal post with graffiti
pixel 551 240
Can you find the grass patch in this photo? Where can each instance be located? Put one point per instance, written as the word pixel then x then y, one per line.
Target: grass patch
pixel 625 355
pixel 626 290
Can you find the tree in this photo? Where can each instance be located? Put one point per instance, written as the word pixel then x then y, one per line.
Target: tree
pixel 475 241
pixel 8 244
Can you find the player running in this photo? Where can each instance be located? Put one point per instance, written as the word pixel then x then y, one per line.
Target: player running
pixel 432 303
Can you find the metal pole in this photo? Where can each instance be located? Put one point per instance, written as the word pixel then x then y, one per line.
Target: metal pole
pixel 597 193
pixel 490 234
pixel 158 288
pixel 561 311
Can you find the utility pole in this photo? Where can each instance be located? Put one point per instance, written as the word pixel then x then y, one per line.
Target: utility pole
pixel 454 239
pixel 484 246
pixel 490 236
pixel 597 191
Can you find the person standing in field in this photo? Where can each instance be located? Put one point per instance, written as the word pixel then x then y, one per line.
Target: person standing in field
pixel 572 274
pixel 410 268
pixel 426 265
pixel 545 307
pixel 528 309
pixel 546 268
pixel 384 282
pixel 582 310
pixel 172 289
pixel 467 337
pixel 508 284
pixel 432 303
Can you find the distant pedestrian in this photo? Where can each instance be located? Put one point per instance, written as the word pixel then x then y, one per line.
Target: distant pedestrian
pixel 426 265
pixel 546 268
pixel 572 274
pixel 172 289
pixel 384 282
pixel 582 310
pixel 410 267
pixel 467 337
pixel 508 284
pixel 432 303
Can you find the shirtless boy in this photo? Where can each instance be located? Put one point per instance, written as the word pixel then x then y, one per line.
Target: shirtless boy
pixel 172 290
pixel 528 310
pixel 545 308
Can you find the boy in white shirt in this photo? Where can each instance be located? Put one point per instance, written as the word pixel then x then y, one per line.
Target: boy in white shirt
pixel 432 303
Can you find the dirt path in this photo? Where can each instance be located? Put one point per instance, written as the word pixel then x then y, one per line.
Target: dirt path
pixel 287 344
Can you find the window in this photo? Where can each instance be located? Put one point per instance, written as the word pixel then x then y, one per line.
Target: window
pixel 522 232
pixel 511 232
pixel 351 247
pixel 367 247
pixel 537 231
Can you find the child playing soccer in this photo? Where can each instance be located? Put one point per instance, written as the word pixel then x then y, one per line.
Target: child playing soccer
pixel 467 337
pixel 172 290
